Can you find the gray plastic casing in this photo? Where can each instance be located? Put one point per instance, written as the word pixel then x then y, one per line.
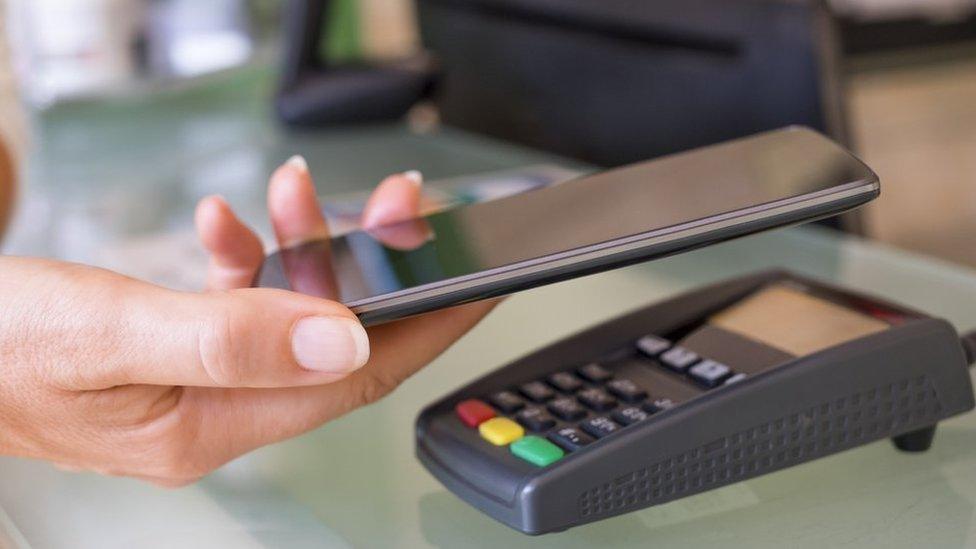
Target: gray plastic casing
pixel 894 382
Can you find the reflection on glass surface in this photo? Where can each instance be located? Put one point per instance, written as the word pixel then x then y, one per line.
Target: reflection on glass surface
pixel 590 211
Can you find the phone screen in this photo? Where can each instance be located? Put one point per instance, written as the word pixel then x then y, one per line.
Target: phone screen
pixel 581 214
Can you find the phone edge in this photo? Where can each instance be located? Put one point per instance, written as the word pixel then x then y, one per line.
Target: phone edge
pixel 618 253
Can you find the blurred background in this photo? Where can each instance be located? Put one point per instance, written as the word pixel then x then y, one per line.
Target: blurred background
pixel 142 99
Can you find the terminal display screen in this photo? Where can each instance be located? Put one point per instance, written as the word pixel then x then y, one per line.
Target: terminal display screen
pixel 795 322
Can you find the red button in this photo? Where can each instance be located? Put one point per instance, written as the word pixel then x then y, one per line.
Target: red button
pixel 473 412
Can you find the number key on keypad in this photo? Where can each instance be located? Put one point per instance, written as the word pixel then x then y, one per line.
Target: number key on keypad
pixel 567 408
pixel 626 389
pixel 535 419
pixel 596 399
pixel 629 415
pixel 507 402
pixel 537 391
pixel 599 426
pixel 594 373
pixel 570 438
pixel 658 405
pixel 565 382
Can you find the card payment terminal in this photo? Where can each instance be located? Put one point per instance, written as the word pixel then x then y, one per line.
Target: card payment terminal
pixel 719 385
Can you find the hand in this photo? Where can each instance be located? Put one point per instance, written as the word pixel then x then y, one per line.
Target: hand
pixel 106 373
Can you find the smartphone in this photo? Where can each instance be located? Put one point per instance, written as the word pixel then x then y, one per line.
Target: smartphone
pixel 591 224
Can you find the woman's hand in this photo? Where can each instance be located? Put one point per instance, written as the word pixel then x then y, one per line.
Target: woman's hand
pixel 102 372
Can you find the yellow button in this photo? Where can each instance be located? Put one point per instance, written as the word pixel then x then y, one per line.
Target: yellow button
pixel 500 431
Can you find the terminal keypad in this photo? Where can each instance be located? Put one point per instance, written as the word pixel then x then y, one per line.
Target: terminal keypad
pixel 567 410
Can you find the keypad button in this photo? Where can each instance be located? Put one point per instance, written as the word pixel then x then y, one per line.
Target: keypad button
pixel 679 358
pixel 536 419
pixel 473 412
pixel 599 426
pixel 537 391
pixel 565 382
pixel 735 379
pixel 537 450
pixel 594 373
pixel 500 431
pixel 709 372
pixel 658 405
pixel 652 345
pixel 507 402
pixel 629 415
pixel 596 399
pixel 626 390
pixel 570 438
pixel 567 408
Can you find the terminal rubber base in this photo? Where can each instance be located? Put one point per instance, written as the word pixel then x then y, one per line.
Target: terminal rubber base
pixel 915 441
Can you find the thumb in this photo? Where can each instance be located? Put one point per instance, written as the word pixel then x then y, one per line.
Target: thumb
pixel 252 338
pixel 101 329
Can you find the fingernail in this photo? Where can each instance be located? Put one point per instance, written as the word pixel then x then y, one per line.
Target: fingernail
pixel 415 176
pixel 298 162
pixel 218 198
pixel 330 344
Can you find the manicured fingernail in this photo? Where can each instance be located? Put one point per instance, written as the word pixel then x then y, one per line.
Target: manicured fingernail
pixel 298 162
pixel 330 344
pixel 415 176
pixel 219 199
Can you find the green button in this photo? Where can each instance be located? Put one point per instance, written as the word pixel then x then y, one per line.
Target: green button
pixel 538 451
